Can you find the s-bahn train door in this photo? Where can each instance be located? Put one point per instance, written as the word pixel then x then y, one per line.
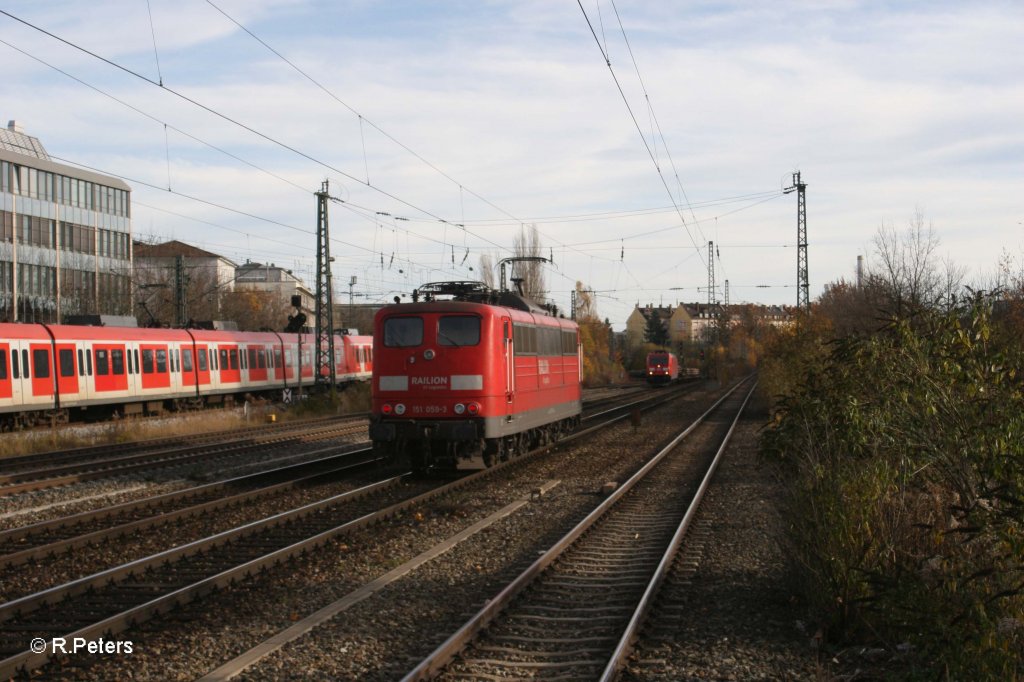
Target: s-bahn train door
pixel 510 360
pixel 9 390
pixel 67 372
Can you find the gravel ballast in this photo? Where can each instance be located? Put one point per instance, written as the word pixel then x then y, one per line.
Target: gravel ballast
pixel 743 624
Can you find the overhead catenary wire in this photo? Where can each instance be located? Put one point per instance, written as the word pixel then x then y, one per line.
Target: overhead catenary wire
pixel 411 253
pixel 636 123
pixel 225 117
pixel 168 126
pixel 373 125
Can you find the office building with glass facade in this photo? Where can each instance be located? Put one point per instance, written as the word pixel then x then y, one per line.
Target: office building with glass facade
pixel 65 236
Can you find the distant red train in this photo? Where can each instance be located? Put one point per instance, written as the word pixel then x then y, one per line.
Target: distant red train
pixel 48 371
pixel 662 367
pixel 480 375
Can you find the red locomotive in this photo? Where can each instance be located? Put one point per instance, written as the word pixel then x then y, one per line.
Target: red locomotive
pixel 662 367
pixel 480 375
pixel 48 370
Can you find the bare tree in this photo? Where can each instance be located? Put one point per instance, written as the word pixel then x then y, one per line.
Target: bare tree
pixel 909 272
pixel 586 305
pixel 527 243
pixel 255 310
pixel 487 270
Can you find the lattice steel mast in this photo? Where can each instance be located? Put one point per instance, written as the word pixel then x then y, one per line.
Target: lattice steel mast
pixel 324 368
pixel 803 286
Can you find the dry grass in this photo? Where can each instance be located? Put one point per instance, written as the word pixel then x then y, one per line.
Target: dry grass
pixel 354 399
pixel 85 435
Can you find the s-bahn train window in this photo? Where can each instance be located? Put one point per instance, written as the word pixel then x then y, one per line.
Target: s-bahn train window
pixel 24 363
pixel 458 330
pixel 222 359
pixel 403 332
pixel 3 366
pixel 201 356
pixel 261 359
pixel 41 363
pixel 14 364
pixel 161 361
pixel 102 363
pixel 233 355
pixel 67 362
pixel 81 364
pixel 147 361
pixel 117 361
pixel 186 359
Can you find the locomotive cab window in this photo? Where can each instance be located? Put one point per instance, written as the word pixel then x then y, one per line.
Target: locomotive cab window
pixel 458 330
pixel 403 332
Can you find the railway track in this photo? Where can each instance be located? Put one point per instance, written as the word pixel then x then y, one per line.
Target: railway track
pixel 61 469
pixel 576 611
pixel 45 539
pixel 110 601
pixel 48 538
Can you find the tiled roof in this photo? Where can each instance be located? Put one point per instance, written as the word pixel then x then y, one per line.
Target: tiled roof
pixel 170 249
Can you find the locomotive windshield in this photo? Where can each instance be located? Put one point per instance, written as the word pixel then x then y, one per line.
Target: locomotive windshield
pixel 458 330
pixel 659 358
pixel 402 332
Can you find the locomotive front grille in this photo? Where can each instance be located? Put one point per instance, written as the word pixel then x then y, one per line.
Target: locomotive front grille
pixel 413 429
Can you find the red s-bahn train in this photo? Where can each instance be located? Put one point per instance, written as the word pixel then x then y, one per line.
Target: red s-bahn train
pixel 481 375
pixel 46 370
pixel 662 367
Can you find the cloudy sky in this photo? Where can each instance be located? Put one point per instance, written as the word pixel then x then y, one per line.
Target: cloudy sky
pixel 444 128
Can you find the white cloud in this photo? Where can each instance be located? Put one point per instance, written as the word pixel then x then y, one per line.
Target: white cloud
pixel 882 108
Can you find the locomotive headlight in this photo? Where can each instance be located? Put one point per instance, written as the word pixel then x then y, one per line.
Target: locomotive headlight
pixel 385 408
pixel 459 408
pixel 473 408
pixel 400 409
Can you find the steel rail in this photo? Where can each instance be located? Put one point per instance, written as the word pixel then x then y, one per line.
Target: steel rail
pixel 28 660
pixel 624 647
pixel 450 648
pixel 162 518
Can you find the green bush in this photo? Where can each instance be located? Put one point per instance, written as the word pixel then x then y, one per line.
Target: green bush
pixel 906 450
